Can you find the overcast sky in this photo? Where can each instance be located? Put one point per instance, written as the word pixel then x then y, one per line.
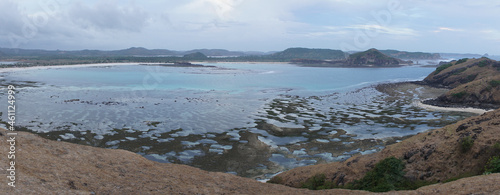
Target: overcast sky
pixel 464 26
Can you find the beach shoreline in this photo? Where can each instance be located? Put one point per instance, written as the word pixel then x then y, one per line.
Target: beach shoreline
pixel 420 104
pixel 411 88
pixel 4 70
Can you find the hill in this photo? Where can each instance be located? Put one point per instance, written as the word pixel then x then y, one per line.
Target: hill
pixel 372 57
pixel 411 55
pixel 133 51
pixel 305 53
pixel 195 56
pixel 473 82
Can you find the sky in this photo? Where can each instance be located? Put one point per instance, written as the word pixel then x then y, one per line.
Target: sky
pixel 458 26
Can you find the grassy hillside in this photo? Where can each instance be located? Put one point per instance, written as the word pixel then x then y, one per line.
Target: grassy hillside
pixel 305 53
pixel 473 82
pixel 411 55
pixel 372 57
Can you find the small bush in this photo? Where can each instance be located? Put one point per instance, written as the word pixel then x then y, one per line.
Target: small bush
pixel 482 63
pixel 459 95
pixel 387 175
pixel 471 77
pixel 493 165
pixel 442 67
pixel 276 180
pixel 461 61
pixel 497 147
pixel 495 83
pixel 466 144
pixel 318 182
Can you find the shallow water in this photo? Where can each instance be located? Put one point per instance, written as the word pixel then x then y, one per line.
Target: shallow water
pixel 253 120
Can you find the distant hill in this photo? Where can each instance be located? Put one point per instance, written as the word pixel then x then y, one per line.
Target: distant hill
pixel 195 56
pixel 140 51
pixel 306 53
pixel 372 57
pixel 473 82
pixel 133 51
pixel 369 58
pixel 218 52
pixel 411 55
pixel 459 55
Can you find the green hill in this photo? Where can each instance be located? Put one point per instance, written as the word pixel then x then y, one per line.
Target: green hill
pixel 411 55
pixel 195 56
pixel 372 57
pixel 305 53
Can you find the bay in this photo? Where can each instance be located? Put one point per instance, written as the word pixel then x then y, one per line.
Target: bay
pixel 251 119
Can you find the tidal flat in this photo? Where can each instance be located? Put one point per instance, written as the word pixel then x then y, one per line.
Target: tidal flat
pixel 253 121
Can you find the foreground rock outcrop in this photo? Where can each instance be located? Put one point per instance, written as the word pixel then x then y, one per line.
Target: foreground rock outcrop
pixel 435 155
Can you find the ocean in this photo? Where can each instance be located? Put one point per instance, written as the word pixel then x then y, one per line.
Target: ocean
pixel 249 119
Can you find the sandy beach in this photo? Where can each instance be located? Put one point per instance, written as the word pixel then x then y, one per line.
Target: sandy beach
pixel 2 70
pixel 449 109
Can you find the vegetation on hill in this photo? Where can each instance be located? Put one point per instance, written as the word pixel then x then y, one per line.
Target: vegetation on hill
pixel 305 53
pixel 195 56
pixel 473 82
pixel 372 57
pixel 411 55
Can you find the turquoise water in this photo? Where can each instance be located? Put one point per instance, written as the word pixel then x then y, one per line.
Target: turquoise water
pixel 228 77
pixel 253 120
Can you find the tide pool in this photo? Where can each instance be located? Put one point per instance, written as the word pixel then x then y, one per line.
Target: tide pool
pixel 253 119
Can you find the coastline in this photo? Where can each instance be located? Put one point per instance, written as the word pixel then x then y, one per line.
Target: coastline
pixel 3 70
pixel 420 104
pixel 410 88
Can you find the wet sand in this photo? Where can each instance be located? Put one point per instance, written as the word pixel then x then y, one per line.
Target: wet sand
pixel 422 93
pixel 450 109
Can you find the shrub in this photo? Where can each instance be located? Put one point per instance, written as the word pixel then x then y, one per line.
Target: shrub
pixel 459 95
pixel 318 182
pixel 495 83
pixel 471 77
pixel 497 147
pixel 276 180
pixel 461 61
pixel 387 175
pixel 466 144
pixel 482 63
pixel 493 165
pixel 442 67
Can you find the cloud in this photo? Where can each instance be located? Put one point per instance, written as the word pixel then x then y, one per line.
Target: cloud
pixel 10 18
pixel 442 29
pixel 491 34
pixel 106 16
pixel 385 29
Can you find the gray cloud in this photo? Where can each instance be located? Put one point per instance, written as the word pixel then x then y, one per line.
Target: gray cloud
pixel 105 16
pixel 11 18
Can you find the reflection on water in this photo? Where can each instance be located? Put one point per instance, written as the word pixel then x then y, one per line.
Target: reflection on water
pixel 253 120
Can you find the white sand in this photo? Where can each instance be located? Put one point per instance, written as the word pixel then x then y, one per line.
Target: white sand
pixel 449 109
pixel 2 70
